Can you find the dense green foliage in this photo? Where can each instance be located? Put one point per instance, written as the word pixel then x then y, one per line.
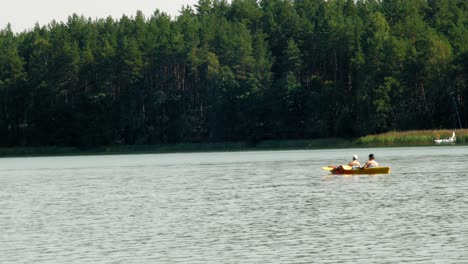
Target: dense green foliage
pixel 238 71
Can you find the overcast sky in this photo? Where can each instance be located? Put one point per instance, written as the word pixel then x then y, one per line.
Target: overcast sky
pixel 23 14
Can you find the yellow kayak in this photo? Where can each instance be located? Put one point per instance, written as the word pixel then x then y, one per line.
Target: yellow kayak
pixel 349 170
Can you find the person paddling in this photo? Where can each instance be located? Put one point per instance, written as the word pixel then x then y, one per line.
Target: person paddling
pixel 371 163
pixel 355 163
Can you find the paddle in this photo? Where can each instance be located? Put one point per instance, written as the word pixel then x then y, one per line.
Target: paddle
pixel 345 167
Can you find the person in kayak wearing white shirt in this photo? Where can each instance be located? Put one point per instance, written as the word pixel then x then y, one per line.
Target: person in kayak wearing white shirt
pixel 355 163
pixel 371 163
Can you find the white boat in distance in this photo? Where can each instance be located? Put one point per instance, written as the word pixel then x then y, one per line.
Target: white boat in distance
pixel 449 140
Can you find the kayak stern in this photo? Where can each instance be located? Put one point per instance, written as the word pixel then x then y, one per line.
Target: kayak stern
pixel 376 170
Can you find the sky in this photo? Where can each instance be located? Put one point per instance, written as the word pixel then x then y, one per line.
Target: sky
pixel 23 14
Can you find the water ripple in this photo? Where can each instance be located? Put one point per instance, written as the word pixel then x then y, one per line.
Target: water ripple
pixel 256 207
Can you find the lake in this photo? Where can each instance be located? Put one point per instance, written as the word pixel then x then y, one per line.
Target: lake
pixel 236 207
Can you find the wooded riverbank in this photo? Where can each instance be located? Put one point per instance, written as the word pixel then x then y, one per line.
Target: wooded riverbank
pixel 390 139
pixel 245 71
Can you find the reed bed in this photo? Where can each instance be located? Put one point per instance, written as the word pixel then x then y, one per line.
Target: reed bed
pixel 415 137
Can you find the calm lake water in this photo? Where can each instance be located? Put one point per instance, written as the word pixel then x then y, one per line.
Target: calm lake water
pixel 242 207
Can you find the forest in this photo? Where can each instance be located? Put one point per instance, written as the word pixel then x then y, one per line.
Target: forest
pixel 237 71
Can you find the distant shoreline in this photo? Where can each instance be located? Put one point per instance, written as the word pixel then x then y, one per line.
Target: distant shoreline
pixel 389 139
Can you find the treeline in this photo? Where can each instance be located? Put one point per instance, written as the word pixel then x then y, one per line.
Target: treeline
pixel 243 70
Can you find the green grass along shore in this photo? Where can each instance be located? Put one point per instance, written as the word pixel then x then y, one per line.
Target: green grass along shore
pixel 415 138
pixel 389 139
